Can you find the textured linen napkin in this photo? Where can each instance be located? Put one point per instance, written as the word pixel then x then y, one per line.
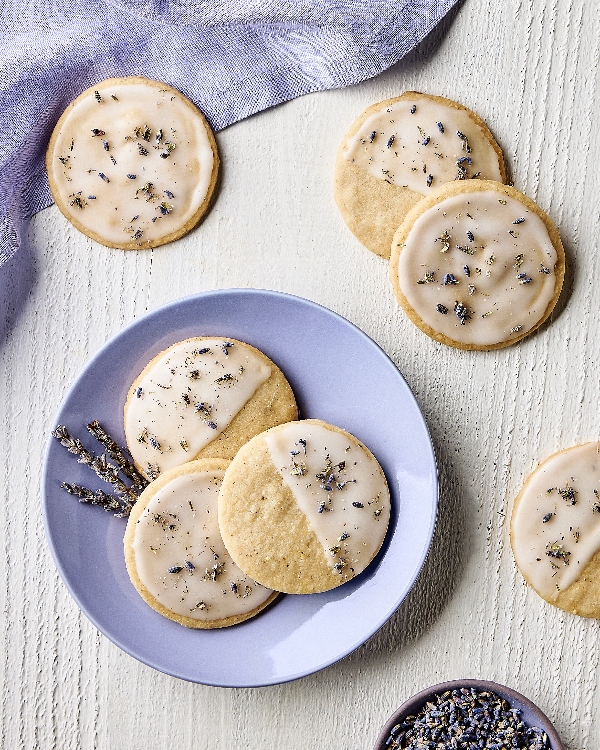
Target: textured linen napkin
pixel 232 58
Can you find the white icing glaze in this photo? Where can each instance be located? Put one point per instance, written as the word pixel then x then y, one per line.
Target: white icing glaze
pixel 501 257
pixel 553 554
pixel 186 398
pixel 178 531
pixel 350 534
pixel 409 150
pixel 166 191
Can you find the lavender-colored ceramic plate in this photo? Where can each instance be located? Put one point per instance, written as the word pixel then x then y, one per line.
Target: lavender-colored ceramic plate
pixel 338 374
pixel 529 712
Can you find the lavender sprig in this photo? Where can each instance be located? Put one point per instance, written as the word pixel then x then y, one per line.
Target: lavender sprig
pixel 110 503
pixel 98 464
pixel 118 456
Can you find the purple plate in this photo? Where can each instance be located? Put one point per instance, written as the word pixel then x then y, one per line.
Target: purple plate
pixel 339 375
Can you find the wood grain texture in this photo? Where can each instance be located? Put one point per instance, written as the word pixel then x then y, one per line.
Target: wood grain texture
pixel 530 69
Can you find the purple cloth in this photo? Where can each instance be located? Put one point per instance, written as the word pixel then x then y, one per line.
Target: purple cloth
pixel 231 57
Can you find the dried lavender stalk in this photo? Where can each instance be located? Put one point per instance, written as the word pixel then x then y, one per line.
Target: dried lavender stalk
pixel 98 464
pixel 110 503
pixel 118 456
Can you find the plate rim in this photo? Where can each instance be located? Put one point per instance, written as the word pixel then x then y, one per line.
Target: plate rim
pixel 123 333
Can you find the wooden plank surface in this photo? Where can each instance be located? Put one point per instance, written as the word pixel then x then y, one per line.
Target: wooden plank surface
pixel 530 69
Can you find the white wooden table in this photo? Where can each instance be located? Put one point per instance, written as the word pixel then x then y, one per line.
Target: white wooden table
pixel 530 69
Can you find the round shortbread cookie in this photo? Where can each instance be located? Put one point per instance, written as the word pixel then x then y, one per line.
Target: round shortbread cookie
pixel 132 163
pixel 477 265
pixel 555 530
pixel 304 507
pixel 203 398
pixel 176 558
pixel 401 149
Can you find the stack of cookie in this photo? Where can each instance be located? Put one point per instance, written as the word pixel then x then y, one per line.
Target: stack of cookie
pixel 474 263
pixel 245 501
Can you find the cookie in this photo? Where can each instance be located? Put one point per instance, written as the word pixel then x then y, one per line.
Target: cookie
pixel 401 149
pixel 477 265
pixel 304 507
pixel 555 530
pixel 203 398
pixel 176 558
pixel 132 163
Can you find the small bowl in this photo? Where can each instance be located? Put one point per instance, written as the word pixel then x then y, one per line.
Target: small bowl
pixel 530 713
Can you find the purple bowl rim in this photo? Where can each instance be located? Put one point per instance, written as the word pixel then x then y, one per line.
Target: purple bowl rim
pixel 123 332
pixel 416 701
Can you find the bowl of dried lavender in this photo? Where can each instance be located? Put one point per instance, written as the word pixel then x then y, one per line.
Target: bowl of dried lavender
pixel 465 714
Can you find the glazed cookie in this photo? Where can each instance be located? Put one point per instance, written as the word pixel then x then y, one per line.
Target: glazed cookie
pixel 175 556
pixel 304 507
pixel 203 398
pixel 555 530
pixel 477 265
pixel 132 163
pixel 401 149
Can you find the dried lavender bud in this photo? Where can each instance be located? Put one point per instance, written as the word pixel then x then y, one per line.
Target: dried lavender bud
pixel 465 141
pixel 461 312
pixel 466 718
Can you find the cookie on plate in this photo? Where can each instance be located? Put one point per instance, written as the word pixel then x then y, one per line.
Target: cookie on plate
pixel 401 149
pixel 203 398
pixel 477 265
pixel 555 530
pixel 175 556
pixel 304 507
pixel 132 163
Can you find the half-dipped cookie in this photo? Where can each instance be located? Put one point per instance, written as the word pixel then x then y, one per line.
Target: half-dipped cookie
pixel 398 151
pixel 203 398
pixel 555 530
pixel 304 507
